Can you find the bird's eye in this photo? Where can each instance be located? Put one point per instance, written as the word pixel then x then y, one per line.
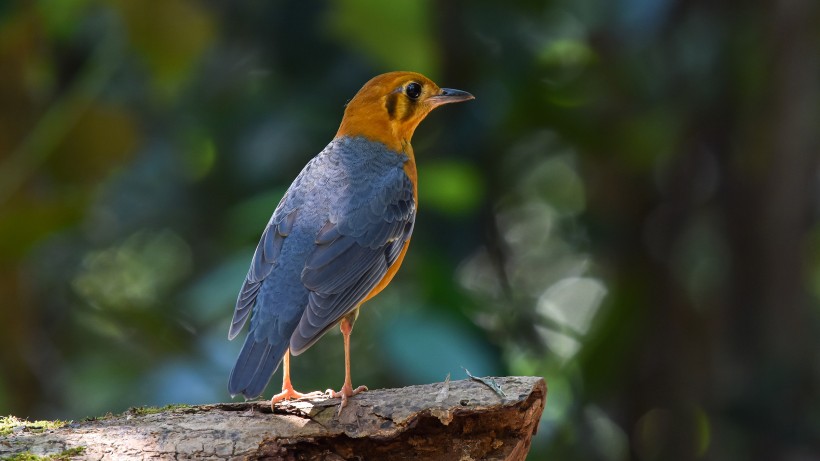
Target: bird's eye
pixel 413 90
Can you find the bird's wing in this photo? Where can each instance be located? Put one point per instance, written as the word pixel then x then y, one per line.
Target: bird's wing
pixel 353 252
pixel 267 252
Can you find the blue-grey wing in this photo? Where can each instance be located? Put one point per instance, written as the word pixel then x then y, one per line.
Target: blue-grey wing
pixel 353 252
pixel 264 259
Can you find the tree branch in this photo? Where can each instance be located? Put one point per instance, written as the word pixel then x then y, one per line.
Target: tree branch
pixel 454 420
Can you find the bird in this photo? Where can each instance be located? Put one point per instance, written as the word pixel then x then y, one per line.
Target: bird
pixel 337 237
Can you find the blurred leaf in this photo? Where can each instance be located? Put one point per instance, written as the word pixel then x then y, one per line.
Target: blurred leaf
pixel 572 302
pixel 567 53
pixel 103 138
pixel 556 181
pixel 565 61
pixel 451 187
pixel 23 223
pixel 199 156
pixel 396 34
pixel 135 274
pixel 647 139
pixel 170 36
pixel 62 17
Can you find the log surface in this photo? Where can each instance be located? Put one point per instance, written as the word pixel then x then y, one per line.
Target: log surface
pixel 456 420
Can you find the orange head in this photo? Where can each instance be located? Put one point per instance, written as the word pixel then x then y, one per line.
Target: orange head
pixel 390 106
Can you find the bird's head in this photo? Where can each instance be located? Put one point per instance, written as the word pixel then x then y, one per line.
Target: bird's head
pixel 390 106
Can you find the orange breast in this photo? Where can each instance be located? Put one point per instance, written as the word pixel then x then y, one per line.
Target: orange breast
pixel 391 271
pixel 410 170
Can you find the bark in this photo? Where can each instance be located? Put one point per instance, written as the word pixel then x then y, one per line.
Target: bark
pixel 458 420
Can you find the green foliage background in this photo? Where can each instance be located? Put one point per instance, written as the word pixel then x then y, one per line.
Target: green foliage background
pixel 629 208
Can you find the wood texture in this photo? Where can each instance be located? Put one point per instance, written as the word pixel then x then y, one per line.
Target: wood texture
pixel 457 420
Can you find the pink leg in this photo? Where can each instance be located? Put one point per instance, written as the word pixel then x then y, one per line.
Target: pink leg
pixel 287 388
pixel 347 390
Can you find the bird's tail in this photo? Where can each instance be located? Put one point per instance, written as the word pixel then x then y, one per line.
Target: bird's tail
pixel 257 362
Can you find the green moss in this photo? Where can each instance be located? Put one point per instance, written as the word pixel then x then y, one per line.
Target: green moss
pixel 64 455
pixel 108 415
pixel 9 423
pixel 24 456
pixel 141 411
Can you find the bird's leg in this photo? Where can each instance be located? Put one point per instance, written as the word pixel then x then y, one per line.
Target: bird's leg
pixel 347 389
pixel 287 388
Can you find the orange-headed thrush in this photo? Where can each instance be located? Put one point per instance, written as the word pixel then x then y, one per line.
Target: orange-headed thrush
pixel 339 234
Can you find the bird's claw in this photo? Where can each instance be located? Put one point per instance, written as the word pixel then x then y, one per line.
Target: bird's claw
pixel 346 392
pixel 291 394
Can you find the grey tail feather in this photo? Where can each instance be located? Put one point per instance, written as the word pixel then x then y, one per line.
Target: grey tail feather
pixel 255 366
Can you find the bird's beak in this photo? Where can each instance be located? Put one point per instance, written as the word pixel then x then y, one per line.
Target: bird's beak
pixel 448 95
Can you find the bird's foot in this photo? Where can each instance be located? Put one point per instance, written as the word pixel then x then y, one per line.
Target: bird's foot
pixel 346 392
pixel 288 393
